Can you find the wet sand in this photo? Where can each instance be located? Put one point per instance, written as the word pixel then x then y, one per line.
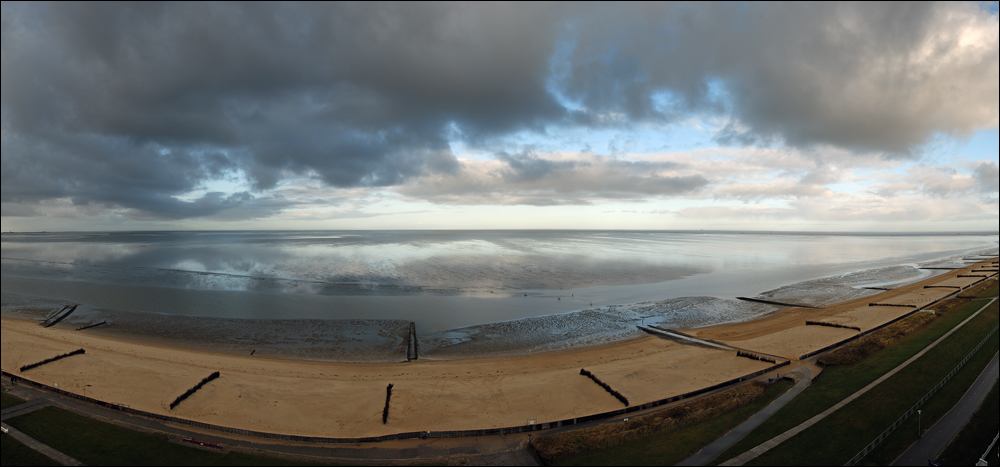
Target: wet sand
pixel 346 400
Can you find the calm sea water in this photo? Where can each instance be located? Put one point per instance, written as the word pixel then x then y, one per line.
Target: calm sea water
pixel 443 280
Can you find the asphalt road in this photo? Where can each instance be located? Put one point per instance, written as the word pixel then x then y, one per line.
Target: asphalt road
pixel 944 431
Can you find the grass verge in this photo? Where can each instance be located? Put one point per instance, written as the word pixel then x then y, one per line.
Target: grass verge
pixel 571 443
pixel 12 452
pixel 973 440
pixel 669 448
pixel 835 440
pixel 97 443
pixel 933 411
pixel 7 401
pixel 837 383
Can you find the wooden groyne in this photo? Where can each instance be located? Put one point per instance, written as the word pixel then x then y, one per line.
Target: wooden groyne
pixel 770 302
pixel 190 392
pixel 52 360
pixel 685 340
pixel 412 346
pixel 606 387
pixel 63 314
pixel 385 411
pixel 93 326
pixel 755 357
pixel 832 325
pixel 710 341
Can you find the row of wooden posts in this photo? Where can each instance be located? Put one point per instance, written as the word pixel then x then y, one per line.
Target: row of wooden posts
pixel 51 360
pixel 758 358
pixel 606 387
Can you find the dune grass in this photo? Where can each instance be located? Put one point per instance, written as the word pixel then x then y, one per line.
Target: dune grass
pixel 97 443
pixel 991 289
pixel 623 442
pixel 876 341
pixel 835 440
pixel 13 453
pixel 988 289
pixel 839 382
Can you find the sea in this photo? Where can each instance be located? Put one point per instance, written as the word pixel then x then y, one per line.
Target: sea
pixel 352 296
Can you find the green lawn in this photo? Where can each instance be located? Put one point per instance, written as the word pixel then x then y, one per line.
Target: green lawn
pixel 97 443
pixel 837 383
pixel 936 408
pixel 977 435
pixel 14 453
pixel 675 446
pixel 840 436
pixel 8 401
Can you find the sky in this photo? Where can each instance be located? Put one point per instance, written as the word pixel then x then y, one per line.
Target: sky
pixel 369 116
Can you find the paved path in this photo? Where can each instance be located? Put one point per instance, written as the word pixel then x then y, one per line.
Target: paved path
pixel 756 452
pixel 497 450
pixel 24 408
pixel 939 436
pixel 42 449
pixel 730 439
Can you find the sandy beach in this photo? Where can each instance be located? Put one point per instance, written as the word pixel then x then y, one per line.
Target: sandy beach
pixel 346 400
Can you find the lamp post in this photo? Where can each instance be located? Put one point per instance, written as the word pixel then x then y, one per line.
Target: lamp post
pixel 920 433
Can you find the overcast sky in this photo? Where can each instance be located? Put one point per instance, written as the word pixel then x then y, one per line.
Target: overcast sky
pixel 829 117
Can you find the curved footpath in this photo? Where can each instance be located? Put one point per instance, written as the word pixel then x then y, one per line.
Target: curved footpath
pixel 939 436
pixel 811 372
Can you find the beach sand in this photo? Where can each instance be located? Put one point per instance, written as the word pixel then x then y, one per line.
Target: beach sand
pixel 346 399
pixel 786 334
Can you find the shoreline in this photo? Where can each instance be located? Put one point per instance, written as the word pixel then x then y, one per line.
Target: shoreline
pixel 343 400
pixel 381 340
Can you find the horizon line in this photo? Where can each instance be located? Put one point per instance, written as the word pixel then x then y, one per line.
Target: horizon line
pixel 725 231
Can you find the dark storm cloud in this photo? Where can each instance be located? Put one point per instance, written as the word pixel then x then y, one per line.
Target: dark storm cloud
pixel 880 77
pixel 131 105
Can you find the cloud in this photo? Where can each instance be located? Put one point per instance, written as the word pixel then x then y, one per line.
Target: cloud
pixel 944 182
pixel 134 106
pixel 845 208
pixel 873 77
pixel 738 212
pixel 540 180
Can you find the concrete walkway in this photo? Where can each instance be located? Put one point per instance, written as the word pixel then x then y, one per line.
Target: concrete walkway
pixel 42 449
pixel 24 408
pixel 730 439
pixel 495 450
pixel 756 452
pixel 939 436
